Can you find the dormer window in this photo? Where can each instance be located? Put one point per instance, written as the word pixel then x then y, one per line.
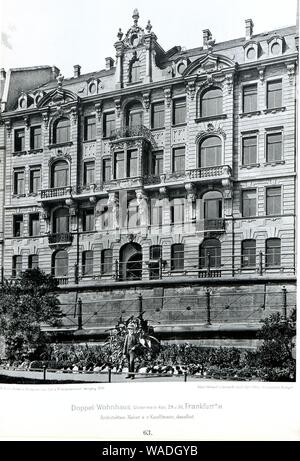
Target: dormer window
pixel 275 45
pixel 251 51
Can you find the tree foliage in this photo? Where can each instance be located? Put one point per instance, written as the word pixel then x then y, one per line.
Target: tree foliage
pixel 25 304
pixel 278 335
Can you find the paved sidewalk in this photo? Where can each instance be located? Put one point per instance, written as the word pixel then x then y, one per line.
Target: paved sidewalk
pixel 94 377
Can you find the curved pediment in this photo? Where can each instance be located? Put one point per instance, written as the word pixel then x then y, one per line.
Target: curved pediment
pixel 209 63
pixel 59 96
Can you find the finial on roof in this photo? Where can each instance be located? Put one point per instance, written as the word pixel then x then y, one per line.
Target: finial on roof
pixel 148 27
pixel 135 16
pixel 60 79
pixel 120 34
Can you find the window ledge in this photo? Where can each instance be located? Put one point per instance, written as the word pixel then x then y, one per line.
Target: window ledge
pixel 158 129
pixel 250 114
pixel 278 162
pixel 274 110
pixel 33 194
pixel 19 152
pixel 134 83
pixel 252 165
pixel 211 117
pixel 179 125
pixel 18 195
pixel 86 141
pixel 35 151
pixel 62 144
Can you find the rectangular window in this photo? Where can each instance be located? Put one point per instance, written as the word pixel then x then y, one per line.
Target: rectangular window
pixel 89 173
pixel 177 212
pixel 34 180
pixel 88 220
pixel 249 154
pixel 248 253
pixel 273 197
pixel 87 262
pixel 273 252
pixel 33 261
pixel 34 224
pixel 20 140
pixel 90 128
pixel 158 115
pixel 35 137
pixel 16 266
pixel 274 94
pixel 157 163
pixel 156 214
pixel 179 111
pixel 274 147
pixel 119 165
pixel 19 182
pixel 132 163
pixel 249 203
pixel 106 171
pixel 250 98
pixel 179 160
pixel 108 124
pixel 18 225
pixel 107 261
pixel 177 257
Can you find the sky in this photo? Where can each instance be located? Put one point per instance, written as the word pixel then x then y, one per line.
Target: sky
pixel 69 32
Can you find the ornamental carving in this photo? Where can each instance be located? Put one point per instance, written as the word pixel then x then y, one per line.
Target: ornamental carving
pixel 118 107
pixel 146 100
pixel 191 89
pixel 98 109
pixel 291 72
pixel 211 130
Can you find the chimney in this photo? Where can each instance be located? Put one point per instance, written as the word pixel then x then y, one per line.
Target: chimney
pixel 2 82
pixel 109 63
pixel 206 36
pixel 2 74
pixel 77 68
pixel 249 28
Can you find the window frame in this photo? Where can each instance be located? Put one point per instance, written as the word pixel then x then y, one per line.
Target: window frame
pixel 221 145
pixel 30 226
pixel 108 133
pixel 272 256
pixel 86 171
pixel 103 262
pixel 177 267
pixel 217 255
pixel 87 130
pixel 244 137
pixel 274 131
pixel 55 138
pixel 244 87
pixel 88 212
pixel 23 142
pixel 16 172
pixel 270 82
pixel 175 101
pixel 250 264
pixel 32 137
pixel 203 94
pixel 33 169
pixel 15 271
pixel 21 223
pixel 153 105
pixel 268 188
pixel 175 149
pixel 243 192
pixel 90 264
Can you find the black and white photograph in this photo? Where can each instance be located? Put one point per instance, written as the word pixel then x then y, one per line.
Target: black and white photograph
pixel 148 197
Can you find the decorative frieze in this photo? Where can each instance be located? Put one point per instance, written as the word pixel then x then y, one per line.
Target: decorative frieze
pixel 178 135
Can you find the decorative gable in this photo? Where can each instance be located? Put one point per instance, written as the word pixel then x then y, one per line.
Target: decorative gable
pixel 208 64
pixel 58 97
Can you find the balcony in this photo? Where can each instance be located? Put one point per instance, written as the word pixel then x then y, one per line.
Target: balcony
pixel 55 193
pixel 189 176
pixel 61 238
pixel 136 131
pixel 211 225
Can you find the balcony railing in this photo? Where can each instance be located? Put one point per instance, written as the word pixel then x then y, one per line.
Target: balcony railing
pixel 60 237
pixel 221 171
pixel 131 132
pixel 55 192
pixel 209 172
pixel 206 225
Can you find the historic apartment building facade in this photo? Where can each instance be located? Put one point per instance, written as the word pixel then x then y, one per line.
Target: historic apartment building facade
pixel 165 183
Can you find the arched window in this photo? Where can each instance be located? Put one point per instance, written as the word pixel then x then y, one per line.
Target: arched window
pixel 60 264
pixel 248 251
pixel 134 115
pixel 135 71
pixel 130 265
pixel 210 152
pixel 61 131
pixel 211 102
pixel 177 257
pixel 210 253
pixel 61 221
pixel 60 174
pixel 273 252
